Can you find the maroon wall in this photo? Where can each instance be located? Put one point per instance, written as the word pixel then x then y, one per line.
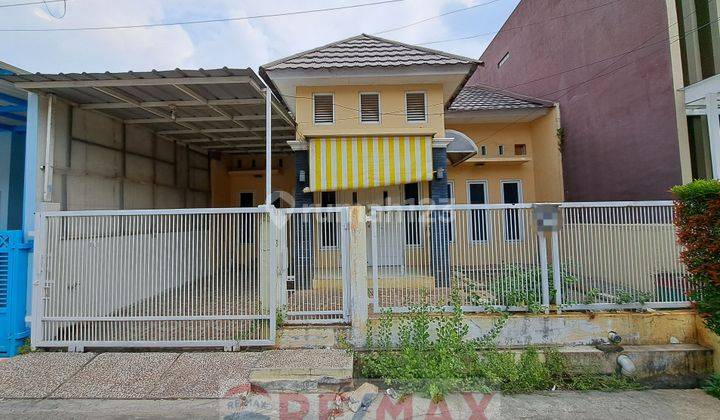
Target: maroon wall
pixel 618 113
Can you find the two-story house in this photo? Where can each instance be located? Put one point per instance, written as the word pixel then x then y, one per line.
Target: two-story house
pixel 382 122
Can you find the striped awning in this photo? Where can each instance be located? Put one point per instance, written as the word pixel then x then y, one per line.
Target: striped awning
pixel 346 163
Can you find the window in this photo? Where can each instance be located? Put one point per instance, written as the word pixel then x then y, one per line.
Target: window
pixel 247 199
pixel 477 194
pixel 483 150
pixel 512 194
pixel 415 107
pixel 700 161
pixel 412 218
pixel 520 150
pixel 504 59
pixel 323 108
pixel 328 222
pixel 354 198
pixel 501 150
pixel 370 107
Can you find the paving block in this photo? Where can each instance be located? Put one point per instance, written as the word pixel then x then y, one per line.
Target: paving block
pixel 205 375
pixel 36 375
pixel 118 376
pixel 302 369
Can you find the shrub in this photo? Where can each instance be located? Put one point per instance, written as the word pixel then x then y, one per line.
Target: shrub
pixel 697 218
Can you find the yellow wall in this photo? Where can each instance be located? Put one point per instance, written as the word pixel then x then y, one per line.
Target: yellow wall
pixel 541 177
pixel 392 109
pixel 230 179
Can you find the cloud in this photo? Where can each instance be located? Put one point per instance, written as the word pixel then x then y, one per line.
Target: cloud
pixel 246 43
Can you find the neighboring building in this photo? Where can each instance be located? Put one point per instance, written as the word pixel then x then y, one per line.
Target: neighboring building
pixel 615 69
pixel 13 111
pixel 379 121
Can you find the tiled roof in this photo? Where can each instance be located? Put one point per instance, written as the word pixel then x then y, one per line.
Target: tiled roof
pixel 483 98
pixel 366 51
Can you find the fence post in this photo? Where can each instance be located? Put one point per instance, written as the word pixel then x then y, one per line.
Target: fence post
pixel 557 274
pixel 358 274
pixel 39 277
pixel 374 239
pixel 542 251
pixel 547 220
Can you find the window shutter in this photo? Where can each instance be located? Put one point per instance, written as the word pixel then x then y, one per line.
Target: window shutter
pixel 369 107
pixel 415 106
pixel 323 105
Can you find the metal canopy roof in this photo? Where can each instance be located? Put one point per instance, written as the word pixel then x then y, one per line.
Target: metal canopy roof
pixel 219 110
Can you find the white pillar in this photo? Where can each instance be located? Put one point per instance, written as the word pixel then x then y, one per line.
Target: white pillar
pixel 713 118
pixel 268 146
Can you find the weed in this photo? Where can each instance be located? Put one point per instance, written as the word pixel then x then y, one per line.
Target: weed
pixel 712 385
pixel 280 316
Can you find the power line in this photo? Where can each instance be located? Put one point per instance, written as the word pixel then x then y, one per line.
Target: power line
pixel 464 38
pixel 31 3
pixel 568 89
pixel 417 22
pixel 202 21
pixel 47 7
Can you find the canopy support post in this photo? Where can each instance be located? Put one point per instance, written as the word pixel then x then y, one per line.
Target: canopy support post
pixel 268 146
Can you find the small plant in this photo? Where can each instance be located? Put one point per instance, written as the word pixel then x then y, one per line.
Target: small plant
pixel 591 296
pixel 624 297
pixel 280 316
pixel 26 347
pixel 712 385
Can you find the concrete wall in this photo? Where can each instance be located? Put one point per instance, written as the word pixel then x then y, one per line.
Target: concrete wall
pixel 621 129
pixel 100 163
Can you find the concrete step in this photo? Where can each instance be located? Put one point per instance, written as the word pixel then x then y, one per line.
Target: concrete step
pixel 311 337
pixel 658 366
pixel 303 370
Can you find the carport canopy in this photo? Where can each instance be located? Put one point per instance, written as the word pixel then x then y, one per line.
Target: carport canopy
pixel 219 110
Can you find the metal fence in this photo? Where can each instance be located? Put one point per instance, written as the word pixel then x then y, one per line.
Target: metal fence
pixel 13 287
pixel 620 255
pixel 603 256
pixel 314 263
pixel 489 254
pixel 155 278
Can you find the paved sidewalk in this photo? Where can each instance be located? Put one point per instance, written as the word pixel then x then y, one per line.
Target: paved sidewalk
pixel 655 404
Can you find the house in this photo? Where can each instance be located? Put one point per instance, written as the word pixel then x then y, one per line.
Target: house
pixel 379 121
pixel 153 226
pixel 621 72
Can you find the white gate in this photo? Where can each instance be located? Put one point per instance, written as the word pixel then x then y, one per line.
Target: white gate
pixel 154 278
pixel 315 282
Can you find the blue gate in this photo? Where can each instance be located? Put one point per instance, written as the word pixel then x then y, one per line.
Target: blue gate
pixel 13 291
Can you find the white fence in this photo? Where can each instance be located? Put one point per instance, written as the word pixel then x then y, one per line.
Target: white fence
pixel 314 264
pixel 159 278
pixel 603 256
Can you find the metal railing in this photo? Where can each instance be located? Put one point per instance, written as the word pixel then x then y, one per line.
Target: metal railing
pixel 602 256
pixel 620 255
pixel 155 278
pixel 314 260
pixel 488 253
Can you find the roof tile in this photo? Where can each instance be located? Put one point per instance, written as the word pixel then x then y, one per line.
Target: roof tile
pixel 483 98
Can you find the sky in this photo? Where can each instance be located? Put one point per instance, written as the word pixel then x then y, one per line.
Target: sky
pixel 239 44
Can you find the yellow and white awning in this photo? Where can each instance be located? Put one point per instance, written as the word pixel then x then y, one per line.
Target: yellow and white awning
pixel 346 163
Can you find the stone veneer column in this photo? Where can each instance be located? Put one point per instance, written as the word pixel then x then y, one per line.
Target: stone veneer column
pixel 439 237
pixel 301 249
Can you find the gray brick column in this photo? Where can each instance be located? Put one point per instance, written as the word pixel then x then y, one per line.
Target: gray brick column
pixel 301 250
pixel 440 225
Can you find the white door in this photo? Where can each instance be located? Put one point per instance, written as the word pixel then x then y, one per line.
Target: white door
pixel 392 249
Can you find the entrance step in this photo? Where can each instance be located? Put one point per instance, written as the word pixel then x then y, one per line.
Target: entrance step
pixel 312 337
pixel 303 370
pixel 658 366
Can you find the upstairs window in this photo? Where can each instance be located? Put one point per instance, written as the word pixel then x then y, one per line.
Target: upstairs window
pixel 520 150
pixel 415 107
pixel 323 108
pixel 369 107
